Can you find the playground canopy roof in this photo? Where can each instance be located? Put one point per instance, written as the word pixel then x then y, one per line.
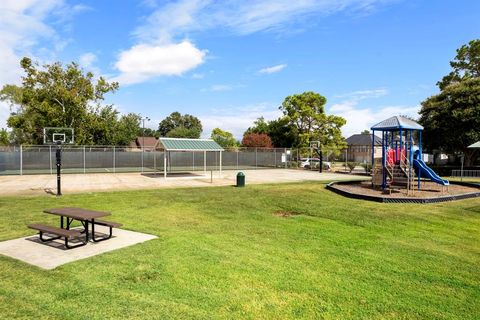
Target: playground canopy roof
pixel 397 123
pixel 475 145
pixel 181 144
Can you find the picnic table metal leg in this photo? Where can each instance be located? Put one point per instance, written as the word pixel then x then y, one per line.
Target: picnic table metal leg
pixel 68 246
pixel 102 238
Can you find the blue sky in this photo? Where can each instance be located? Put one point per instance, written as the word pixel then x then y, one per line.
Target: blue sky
pixel 229 62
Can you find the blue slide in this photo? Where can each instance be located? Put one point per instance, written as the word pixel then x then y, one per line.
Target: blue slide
pixel 425 171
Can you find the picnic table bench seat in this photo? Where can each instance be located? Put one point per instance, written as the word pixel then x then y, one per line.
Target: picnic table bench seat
pixel 108 223
pixel 105 223
pixel 59 232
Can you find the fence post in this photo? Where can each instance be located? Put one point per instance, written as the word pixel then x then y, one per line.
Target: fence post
pixel 255 158
pixel 113 159
pixel 84 164
pixel 205 162
pixel 143 150
pixel 238 151
pixel 21 160
pixel 220 164
pixel 286 158
pixel 50 157
pixel 275 157
pixel 193 160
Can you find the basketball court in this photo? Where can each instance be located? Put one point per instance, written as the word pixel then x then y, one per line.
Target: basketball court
pixel 81 183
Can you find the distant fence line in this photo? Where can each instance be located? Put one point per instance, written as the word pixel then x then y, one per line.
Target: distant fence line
pixel 19 160
pixel 466 173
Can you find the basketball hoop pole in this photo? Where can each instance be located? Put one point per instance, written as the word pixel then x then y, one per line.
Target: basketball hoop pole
pixel 58 155
pixel 315 145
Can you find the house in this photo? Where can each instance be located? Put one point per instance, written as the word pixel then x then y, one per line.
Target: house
pixel 360 148
pixel 148 143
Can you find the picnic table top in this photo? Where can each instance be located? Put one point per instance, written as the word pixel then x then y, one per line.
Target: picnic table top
pixel 77 213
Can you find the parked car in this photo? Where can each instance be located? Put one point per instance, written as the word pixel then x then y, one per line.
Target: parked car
pixel 309 163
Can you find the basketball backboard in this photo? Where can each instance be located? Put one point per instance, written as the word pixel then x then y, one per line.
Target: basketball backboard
pixel 55 135
pixel 315 144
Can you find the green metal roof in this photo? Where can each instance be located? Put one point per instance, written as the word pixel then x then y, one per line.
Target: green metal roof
pixel 181 144
pixel 475 145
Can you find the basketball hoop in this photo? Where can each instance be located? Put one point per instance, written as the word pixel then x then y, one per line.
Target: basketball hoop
pixel 58 135
pixel 315 145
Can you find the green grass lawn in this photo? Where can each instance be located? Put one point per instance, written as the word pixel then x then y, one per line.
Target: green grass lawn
pixel 222 253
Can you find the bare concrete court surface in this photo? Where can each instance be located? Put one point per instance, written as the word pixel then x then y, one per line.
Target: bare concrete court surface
pixel 80 183
pixel 52 254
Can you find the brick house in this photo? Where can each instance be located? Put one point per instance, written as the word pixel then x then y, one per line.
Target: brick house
pixel 360 148
pixel 148 143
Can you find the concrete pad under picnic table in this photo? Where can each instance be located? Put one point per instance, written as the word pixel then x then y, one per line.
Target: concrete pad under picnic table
pixel 49 255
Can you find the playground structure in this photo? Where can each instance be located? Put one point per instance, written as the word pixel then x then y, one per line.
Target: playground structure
pixel 401 164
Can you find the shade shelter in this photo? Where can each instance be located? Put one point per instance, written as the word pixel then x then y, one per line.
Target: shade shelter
pixel 202 146
pixel 475 145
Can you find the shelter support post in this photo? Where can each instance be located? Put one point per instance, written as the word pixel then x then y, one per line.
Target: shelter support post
pixel 205 162
pixel 384 175
pixel 373 148
pixel 220 163
pixel 164 164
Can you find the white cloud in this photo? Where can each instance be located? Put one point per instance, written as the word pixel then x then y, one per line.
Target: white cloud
pixel 362 118
pixel 220 87
pixel 273 69
pixel 87 59
pixel 237 119
pixel 177 19
pixel 22 26
pixel 143 61
pixel 198 76
pixel 241 17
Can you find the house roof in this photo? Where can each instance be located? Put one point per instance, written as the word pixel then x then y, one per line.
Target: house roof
pixel 363 140
pixel 475 145
pixel 146 141
pixel 182 144
pixel 396 123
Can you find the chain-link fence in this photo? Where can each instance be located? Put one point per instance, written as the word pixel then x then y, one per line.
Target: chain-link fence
pixel 18 160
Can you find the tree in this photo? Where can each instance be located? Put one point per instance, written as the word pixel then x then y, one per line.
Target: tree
pixel 64 96
pixel 365 131
pixel 259 126
pixel 282 133
pixel 180 126
pixel 451 119
pixel 224 138
pixel 182 132
pixel 466 65
pixel 4 140
pixel 260 140
pixel 306 112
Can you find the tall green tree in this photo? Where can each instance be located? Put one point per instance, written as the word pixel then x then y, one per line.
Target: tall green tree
pixel 177 125
pixel 451 119
pixel 465 65
pixel 306 111
pixel 224 138
pixel 259 126
pixel 282 133
pixel 4 139
pixel 61 96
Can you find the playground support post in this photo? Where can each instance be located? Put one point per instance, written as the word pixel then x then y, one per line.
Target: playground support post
pixel 384 177
pixel 373 148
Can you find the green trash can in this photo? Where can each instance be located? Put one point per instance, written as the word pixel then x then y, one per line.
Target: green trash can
pixel 240 179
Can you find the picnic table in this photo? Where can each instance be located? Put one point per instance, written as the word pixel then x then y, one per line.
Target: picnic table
pixel 86 217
